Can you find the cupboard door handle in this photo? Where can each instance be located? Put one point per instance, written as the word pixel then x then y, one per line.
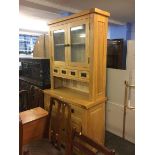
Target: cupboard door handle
pixel 88 60
pixel 66 45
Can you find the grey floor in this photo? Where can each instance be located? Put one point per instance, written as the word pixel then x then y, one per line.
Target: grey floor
pixel 121 146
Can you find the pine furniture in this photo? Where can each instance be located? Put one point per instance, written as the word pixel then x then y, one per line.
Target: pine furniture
pixel 78 47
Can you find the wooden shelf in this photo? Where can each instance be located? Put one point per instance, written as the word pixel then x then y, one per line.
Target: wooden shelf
pixel 74 97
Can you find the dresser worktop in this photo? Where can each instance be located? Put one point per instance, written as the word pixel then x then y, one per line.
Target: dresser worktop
pixel 74 97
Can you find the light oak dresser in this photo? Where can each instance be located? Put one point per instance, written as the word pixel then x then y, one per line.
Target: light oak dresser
pixel 78 47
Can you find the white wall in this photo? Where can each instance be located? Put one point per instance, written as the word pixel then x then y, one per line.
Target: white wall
pixel 115 94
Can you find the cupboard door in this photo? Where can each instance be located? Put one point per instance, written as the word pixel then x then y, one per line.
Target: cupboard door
pixel 59 42
pixel 78 39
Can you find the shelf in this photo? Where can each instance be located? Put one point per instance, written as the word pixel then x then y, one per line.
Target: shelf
pixel 73 96
pixel 70 94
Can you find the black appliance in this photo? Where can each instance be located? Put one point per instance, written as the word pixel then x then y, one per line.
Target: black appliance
pixel 36 71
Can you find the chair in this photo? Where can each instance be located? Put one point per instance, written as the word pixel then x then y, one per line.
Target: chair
pixel 23 100
pixel 36 97
pixel 58 125
pixel 85 145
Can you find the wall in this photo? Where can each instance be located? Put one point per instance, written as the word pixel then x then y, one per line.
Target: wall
pixel 115 95
pixel 126 31
pixel 117 31
pixel 115 85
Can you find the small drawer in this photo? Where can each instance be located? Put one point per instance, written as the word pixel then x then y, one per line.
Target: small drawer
pixel 73 73
pixel 77 112
pixel 56 71
pixel 63 71
pixel 77 124
pixel 83 74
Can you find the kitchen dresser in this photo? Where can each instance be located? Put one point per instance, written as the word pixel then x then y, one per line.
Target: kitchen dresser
pixel 78 47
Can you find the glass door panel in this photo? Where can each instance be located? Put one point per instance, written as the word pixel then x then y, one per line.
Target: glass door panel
pixel 78 43
pixel 59 45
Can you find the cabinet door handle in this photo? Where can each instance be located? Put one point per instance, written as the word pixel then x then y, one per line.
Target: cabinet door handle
pixel 66 45
pixel 88 60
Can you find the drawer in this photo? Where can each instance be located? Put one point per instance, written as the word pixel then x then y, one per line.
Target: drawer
pixel 77 111
pixel 63 72
pixel 83 74
pixel 56 71
pixel 73 73
pixel 77 123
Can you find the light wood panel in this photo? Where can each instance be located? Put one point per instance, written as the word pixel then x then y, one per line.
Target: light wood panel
pixel 74 97
pixel 96 123
pixel 86 12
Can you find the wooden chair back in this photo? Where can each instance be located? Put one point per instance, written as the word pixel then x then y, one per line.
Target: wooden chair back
pixel 87 146
pixel 23 100
pixel 60 124
pixel 36 97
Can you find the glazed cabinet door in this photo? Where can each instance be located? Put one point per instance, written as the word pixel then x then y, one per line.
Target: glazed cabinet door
pixel 78 39
pixel 59 44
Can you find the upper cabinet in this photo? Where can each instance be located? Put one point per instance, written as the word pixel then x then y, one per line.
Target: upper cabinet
pixel 78 46
pixel 70 44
